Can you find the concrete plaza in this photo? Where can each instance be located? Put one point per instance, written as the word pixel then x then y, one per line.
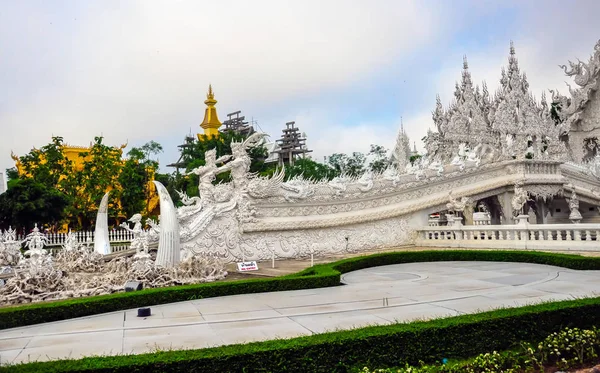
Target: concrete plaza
pixel 373 296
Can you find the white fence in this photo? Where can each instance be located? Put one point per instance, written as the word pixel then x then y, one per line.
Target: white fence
pixel 563 237
pixel 112 250
pixel 57 239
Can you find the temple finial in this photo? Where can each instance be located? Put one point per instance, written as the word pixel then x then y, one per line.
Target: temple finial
pixel 401 124
pixel 465 63
pixel 211 122
pixel 512 48
pixel 210 95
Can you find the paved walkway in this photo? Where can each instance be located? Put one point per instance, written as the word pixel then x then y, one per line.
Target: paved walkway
pixel 379 295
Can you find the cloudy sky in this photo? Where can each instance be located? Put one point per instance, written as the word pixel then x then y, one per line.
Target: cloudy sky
pixel 346 71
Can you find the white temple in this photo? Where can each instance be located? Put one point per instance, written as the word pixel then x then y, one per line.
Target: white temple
pixel 500 160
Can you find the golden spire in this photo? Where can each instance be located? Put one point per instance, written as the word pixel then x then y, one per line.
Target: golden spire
pixel 211 122
pixel 210 95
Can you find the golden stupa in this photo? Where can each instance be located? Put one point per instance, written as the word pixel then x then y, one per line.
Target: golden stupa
pixel 211 123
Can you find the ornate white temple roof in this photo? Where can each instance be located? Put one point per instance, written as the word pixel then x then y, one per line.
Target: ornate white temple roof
pixel 512 120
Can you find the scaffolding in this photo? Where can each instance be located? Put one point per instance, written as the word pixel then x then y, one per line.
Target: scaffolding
pixel 291 145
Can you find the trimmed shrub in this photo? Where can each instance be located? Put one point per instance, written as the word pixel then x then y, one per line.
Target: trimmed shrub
pixel 323 275
pixel 384 346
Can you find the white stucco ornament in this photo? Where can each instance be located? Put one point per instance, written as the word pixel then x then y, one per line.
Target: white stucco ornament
pixel 101 239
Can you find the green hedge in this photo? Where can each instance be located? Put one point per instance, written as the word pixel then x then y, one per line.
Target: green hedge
pixel 322 275
pixel 382 346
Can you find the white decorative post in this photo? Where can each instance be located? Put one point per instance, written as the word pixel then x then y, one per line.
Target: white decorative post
pixel 101 240
pixel 168 241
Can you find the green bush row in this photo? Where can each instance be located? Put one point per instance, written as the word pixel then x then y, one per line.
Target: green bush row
pixel 323 275
pixel 384 346
pixel 567 349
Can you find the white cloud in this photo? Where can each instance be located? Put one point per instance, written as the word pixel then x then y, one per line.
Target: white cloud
pixel 138 70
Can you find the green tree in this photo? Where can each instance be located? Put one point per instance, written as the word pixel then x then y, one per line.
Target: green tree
pixel 143 155
pixel 133 181
pixel 100 173
pixel 414 158
pixel 28 202
pixel 353 165
pixel 47 165
pixel 378 158
pixel 13 177
pixel 310 169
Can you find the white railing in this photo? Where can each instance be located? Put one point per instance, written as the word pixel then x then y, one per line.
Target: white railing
pixel 113 249
pixel 58 239
pixel 563 237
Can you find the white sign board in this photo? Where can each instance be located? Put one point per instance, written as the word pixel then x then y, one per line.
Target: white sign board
pixel 247 266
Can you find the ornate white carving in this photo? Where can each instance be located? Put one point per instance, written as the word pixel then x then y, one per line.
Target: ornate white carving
pixel 297 188
pixel 101 239
pixel 580 112
pixel 169 236
pixel 575 215
pixel 511 125
pixel 455 205
pixel 206 175
pixel 365 182
pixel 140 240
pixel 76 257
pixel 400 157
pixel 10 253
pixel 519 199
pixel 35 242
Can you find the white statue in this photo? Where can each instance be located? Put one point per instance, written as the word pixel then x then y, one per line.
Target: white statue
pixel 519 199
pixel 207 174
pixel 575 215
pixel 35 242
pixel 140 238
pixel 10 253
pixel 240 165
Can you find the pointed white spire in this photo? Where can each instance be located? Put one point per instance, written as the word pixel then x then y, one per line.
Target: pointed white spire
pixel 169 241
pixel 101 239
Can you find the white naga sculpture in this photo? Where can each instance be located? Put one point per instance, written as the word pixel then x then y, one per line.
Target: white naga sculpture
pixel 101 239
pixel 455 205
pixel 365 182
pixel 391 174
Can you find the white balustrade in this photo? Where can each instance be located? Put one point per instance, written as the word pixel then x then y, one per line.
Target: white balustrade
pixel 58 239
pixel 559 237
